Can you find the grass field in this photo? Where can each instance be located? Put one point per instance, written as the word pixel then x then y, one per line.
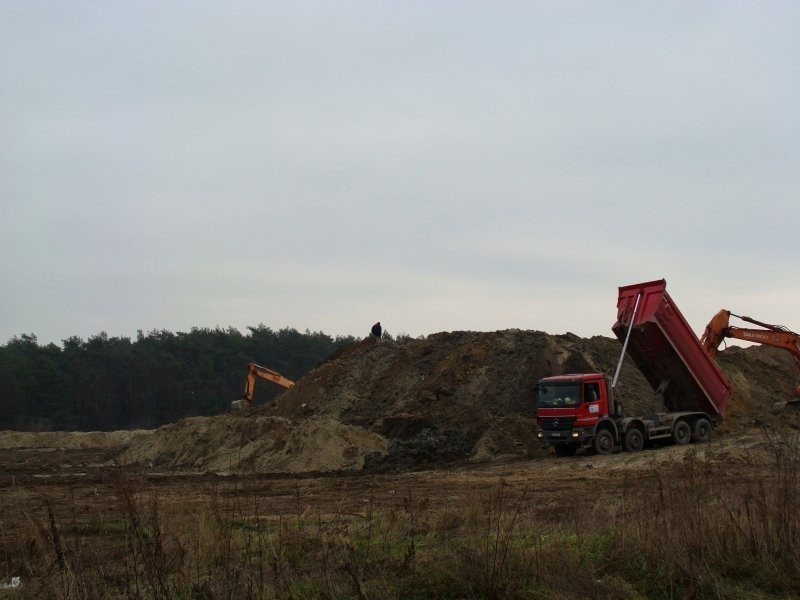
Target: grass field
pixel 675 523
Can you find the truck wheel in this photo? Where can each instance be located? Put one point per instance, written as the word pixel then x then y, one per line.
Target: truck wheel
pixel 603 442
pixel 702 431
pixel 566 449
pixel 681 433
pixel 634 440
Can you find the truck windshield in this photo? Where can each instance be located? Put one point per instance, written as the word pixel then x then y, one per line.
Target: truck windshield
pixel 561 395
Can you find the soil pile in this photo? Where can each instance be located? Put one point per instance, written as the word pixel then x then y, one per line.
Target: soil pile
pixel 760 376
pixel 456 396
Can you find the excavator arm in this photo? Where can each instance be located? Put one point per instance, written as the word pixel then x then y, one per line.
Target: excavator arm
pixel 715 332
pixel 254 372
pixel 719 328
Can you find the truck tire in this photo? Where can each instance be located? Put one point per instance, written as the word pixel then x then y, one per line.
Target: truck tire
pixel 603 442
pixel 566 449
pixel 634 440
pixel 701 431
pixel 681 433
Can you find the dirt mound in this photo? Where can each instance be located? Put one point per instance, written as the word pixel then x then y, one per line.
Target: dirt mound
pixel 761 376
pixel 448 397
pixel 258 443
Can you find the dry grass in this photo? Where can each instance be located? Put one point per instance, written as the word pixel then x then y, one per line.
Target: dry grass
pixel 696 532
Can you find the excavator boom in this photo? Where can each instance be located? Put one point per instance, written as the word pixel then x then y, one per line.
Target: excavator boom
pixel 719 328
pixel 254 372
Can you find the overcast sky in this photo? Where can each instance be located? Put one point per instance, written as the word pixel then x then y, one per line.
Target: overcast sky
pixel 437 166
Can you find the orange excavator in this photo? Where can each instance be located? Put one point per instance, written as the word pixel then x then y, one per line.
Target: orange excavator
pixel 257 371
pixel 779 336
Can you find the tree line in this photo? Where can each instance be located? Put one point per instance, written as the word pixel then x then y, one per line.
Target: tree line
pixel 106 383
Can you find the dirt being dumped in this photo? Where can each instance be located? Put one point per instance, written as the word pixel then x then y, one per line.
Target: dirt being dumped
pixel 450 397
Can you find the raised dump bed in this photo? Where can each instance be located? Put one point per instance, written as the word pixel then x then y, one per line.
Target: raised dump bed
pixel 668 353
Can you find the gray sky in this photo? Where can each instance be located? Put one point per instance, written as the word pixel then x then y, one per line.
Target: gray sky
pixel 436 166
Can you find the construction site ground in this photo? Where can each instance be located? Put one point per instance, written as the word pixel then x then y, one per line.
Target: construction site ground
pixel 79 484
pixel 435 423
pixel 447 413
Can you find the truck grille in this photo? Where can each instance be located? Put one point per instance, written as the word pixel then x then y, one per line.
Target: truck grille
pixel 556 423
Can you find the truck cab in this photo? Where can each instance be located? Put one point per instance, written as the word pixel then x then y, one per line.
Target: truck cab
pixel 570 407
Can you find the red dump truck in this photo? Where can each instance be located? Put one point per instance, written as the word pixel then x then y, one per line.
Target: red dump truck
pixel 690 392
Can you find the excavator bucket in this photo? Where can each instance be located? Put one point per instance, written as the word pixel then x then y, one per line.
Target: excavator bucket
pixel 240 405
pixel 780 405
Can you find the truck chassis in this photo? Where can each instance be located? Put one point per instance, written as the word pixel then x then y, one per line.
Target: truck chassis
pixel 632 434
